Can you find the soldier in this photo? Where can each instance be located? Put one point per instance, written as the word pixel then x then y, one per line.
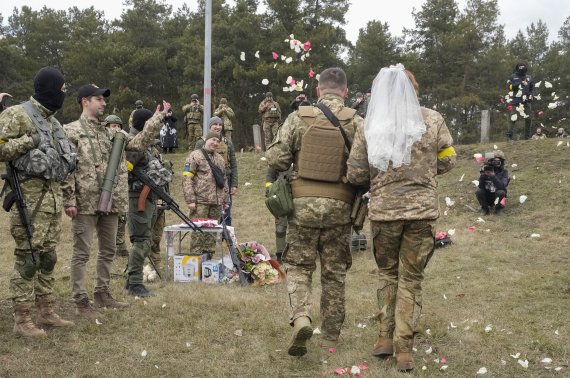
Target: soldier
pixel 226 114
pixel 41 166
pixel 114 122
pixel 141 220
pixel 322 201
pixel 138 105
pixel 399 152
pixel 521 88
pixel 193 120
pixel 226 149
pixel 271 115
pixel 82 191
pixel 205 189
pixel 360 104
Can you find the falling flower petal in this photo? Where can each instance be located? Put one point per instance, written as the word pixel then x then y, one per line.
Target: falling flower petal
pixel 283 57
pixel 537 85
pixel 560 143
pixel 288 60
pixel 264 81
pixel 307 46
pixel 546 360
pixel 482 370
pixel 242 56
pixel 488 328
pixel 318 77
pixel 535 236
pixel 275 65
pixel 451 232
pixel 424 367
pixel 547 84
pixel 537 97
pixel 514 177
pixel 331 350
pixel 311 72
pixel 475 182
pixel 514 165
pixel 522 198
pixel 461 178
pixel 257 54
pixel 289 79
pixel 514 117
pixel 523 363
pixel 429 350
pixel 552 105
pixel 143 353
pixel 515 355
pixel 238 332
pixel 443 360
pixel 275 55
pixel 495 147
pixel 316 331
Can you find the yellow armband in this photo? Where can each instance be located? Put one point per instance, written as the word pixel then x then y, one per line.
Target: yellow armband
pixel 446 152
pixel 268 184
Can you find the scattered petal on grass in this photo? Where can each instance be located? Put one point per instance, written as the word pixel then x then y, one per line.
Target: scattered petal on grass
pixel 97 362
pixel 331 350
pixel 547 84
pixel 424 367
pixel 98 322
pixel 514 165
pixel 523 363
pixel 482 370
pixel 461 178
pixel 444 296
pixel 514 177
pixel 449 202
pixel 546 360
pixel 535 236
pixel 188 344
pixel 164 305
pixel 145 303
pixel 257 54
pixel 428 331
pixel 481 220
pixel 414 349
pixel 429 350
pixel 560 143
pixel 288 60
pixel 552 105
pixel 503 362
pixel 263 158
pixel 514 117
pixel 556 333
pixel 238 332
pixel 475 182
pixel 522 198
pixel 472 228
pixel 495 147
pixel 156 366
pixel 558 368
pixel 355 370
pixel 467 328
pixel 451 232
pixel 452 325
pixel 443 367
pixel 360 325
pixel 339 371
pixel 143 353
pixel 488 328
pixel 515 355
pixel 443 360
pixel 316 331
pixel 247 184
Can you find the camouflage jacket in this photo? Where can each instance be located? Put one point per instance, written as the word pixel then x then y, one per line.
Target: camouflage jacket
pixel 199 184
pixel 231 163
pixel 152 164
pixel 410 191
pixel 193 113
pixel 94 142
pixel 226 114
pixel 269 109
pixel 315 212
pixel 15 141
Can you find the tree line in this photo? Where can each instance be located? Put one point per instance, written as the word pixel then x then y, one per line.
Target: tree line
pixel 461 57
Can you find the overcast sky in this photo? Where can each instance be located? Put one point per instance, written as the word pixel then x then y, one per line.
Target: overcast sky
pixel 514 14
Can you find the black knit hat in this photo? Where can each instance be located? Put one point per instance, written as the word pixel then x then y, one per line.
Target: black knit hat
pixel 140 116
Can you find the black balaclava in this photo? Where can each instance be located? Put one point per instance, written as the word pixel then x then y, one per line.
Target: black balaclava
pixel 521 69
pixel 140 116
pixel 48 85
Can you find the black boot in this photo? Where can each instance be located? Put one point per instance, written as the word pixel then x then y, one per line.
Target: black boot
pixel 139 290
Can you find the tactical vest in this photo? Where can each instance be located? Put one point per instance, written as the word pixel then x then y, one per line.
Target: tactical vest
pixel 272 111
pixel 154 169
pixel 194 115
pixel 54 158
pixel 321 161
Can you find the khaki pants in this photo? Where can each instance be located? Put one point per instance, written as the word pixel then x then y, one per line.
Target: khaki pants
pixel 82 227
pixel 402 250
pixel 332 247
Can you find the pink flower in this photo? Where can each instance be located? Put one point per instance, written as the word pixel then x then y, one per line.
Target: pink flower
pixel 509 108
pixel 306 46
pixel 311 72
pixel 275 55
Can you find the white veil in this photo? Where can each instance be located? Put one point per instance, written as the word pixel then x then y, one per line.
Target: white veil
pixel 394 120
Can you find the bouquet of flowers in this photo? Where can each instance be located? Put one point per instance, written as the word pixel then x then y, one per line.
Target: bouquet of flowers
pixel 259 265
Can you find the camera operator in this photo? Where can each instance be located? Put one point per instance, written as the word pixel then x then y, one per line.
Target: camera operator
pixel 493 182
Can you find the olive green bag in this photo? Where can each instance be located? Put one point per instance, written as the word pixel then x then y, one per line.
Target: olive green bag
pixel 279 200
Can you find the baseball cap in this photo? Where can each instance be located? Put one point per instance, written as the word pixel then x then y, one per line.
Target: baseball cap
pixel 91 90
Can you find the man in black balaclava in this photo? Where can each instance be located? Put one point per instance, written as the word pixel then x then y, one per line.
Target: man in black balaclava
pixel 43 167
pixel 521 87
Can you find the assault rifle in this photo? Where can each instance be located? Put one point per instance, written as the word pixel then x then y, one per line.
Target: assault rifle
pixel 236 260
pixel 169 203
pixel 16 196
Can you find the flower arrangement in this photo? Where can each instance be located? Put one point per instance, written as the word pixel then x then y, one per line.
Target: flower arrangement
pixel 259 265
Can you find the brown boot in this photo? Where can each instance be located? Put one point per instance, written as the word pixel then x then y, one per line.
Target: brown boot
pixel 104 299
pixel 23 325
pixel 404 361
pixel 47 315
pixel 302 332
pixel 384 347
pixel 83 308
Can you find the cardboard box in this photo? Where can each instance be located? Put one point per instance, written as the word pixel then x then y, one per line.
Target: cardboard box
pixel 211 271
pixel 187 268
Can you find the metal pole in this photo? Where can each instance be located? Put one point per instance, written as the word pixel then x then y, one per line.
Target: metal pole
pixel 485 125
pixel 207 66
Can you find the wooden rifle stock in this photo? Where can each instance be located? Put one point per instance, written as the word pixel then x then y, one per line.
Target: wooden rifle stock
pixel 141 204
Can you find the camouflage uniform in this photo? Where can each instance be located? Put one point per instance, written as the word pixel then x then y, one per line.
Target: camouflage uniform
pixel 44 201
pixel 403 210
pixel 271 114
pixel 200 188
pixel 193 119
pixel 82 190
pixel 318 227
pixel 226 114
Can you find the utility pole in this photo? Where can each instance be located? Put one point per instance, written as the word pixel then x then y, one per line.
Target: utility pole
pixel 207 66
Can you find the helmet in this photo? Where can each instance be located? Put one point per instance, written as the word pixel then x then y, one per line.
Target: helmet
pixel 194 96
pixel 112 119
pixel 223 101
pixel 139 103
pixel 269 94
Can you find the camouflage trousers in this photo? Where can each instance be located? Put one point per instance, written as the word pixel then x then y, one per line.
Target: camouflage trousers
pixel 194 132
pixel 29 280
pixel 280 234
pixel 204 242
pixel 402 250
pixel 121 243
pixel 140 231
pixel 156 237
pixel 270 128
pixel 228 134
pixel 332 247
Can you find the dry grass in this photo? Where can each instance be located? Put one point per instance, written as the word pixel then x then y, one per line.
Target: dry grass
pixel 495 275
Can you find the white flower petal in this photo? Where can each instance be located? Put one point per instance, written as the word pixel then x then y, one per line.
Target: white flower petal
pixel 143 353
pixel 257 54
pixel 429 350
pixel 495 147
pixel 164 305
pixel 535 236
pixel 461 178
pixel 247 184
pixel 522 198
pixel 263 158
pixel 515 355
pixel 514 165
pixel 98 322
pixel 288 60
pixel 482 370
pixel 242 56
pixel 452 325
pixel 443 367
pixel 560 143
pixel 546 360
pixel 552 105
pixel 547 84
pixel 523 363
pixel 449 202
pixel 558 368
pixel 188 344
pixel 514 117
pixel 444 296
pixel 264 81
pixel 488 328
pixel 238 332
pixel 475 182
pixel 428 332
pixel 316 331
pixel 537 85
pixel 556 333
pixel 451 232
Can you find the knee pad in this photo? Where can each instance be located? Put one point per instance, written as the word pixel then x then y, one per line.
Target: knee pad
pixel 25 266
pixel 47 261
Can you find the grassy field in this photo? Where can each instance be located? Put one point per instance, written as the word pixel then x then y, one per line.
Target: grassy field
pixel 496 296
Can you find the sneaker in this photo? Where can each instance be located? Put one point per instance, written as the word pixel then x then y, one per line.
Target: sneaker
pixel 140 290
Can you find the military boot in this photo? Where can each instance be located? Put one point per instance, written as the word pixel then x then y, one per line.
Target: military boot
pixel 104 299
pixel 23 325
pixel 47 315
pixel 302 332
pixel 140 290
pixel 384 347
pixel 83 308
pixel 404 361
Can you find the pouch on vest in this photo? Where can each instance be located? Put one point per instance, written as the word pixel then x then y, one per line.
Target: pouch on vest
pixel 279 200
